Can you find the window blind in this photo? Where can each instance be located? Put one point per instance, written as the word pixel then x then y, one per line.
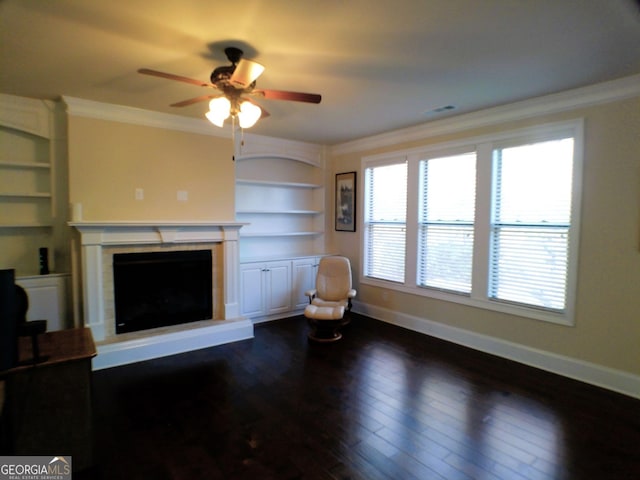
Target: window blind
pixel 446 222
pixel 385 221
pixel 531 223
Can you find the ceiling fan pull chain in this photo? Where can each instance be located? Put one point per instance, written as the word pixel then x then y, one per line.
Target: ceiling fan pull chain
pixel 233 136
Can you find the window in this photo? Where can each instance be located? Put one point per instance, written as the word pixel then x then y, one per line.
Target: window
pixel 385 221
pixel 446 222
pixel 531 220
pixel 490 221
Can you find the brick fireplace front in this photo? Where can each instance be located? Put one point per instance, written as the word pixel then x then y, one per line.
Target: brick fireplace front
pixel 98 243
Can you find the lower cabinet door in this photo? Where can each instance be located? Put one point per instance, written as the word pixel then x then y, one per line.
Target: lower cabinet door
pixel 251 289
pixel 304 271
pixel 278 287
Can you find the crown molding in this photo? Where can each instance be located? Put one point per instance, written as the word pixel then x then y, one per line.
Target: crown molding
pixel 79 107
pixel 605 92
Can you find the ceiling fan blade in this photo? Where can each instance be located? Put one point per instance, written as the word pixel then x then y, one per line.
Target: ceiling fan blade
pixel 246 73
pixel 191 101
pixel 171 76
pixel 292 96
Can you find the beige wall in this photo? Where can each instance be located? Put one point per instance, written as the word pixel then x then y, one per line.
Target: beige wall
pixel 108 161
pixel 607 323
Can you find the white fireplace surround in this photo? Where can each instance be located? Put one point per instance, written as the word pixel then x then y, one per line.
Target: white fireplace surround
pixel 96 236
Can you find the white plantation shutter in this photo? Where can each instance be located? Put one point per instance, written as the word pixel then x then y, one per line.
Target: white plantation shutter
pixel 385 215
pixel 446 222
pixel 531 223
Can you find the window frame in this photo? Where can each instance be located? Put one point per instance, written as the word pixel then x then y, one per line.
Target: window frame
pixel 483 146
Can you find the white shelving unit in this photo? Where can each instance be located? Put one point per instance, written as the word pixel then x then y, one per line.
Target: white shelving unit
pixel 32 205
pixel 25 185
pixel 280 195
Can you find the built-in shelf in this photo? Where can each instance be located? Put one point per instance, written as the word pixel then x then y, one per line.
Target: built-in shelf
pixel 25 195
pixel 280 195
pixel 32 189
pixel 275 212
pixel 26 225
pixel 245 181
pixel 272 258
pixel 26 165
pixel 278 234
pixel 316 162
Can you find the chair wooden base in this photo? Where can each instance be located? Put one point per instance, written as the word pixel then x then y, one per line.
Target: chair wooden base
pixel 325 331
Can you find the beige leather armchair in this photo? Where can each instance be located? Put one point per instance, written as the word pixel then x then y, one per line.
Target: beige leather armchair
pixel 330 300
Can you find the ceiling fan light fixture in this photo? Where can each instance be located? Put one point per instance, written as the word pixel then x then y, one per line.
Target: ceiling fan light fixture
pixel 246 73
pixel 232 83
pixel 220 106
pixel 219 111
pixel 215 119
pixel 249 114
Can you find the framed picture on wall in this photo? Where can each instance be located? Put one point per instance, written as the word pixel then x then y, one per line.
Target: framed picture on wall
pixel 346 202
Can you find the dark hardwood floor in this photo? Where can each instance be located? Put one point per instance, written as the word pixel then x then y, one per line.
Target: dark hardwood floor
pixel 382 403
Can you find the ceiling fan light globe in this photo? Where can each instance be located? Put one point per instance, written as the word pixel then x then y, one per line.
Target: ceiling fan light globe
pixel 215 118
pixel 249 114
pixel 220 106
pixel 246 73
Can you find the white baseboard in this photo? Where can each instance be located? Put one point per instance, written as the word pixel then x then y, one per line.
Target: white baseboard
pixel 605 377
pixel 277 316
pixel 209 334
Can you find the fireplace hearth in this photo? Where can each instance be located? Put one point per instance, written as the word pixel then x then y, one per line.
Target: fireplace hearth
pixel 160 289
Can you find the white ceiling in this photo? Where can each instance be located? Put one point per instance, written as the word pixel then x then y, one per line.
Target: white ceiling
pixel 379 65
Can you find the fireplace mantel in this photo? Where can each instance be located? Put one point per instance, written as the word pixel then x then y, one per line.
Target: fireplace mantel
pixel 131 233
pixel 95 236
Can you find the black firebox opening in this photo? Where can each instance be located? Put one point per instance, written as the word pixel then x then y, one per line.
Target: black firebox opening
pixel 158 289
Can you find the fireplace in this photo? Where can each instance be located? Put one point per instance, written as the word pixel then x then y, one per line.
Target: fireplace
pixel 102 242
pixel 159 289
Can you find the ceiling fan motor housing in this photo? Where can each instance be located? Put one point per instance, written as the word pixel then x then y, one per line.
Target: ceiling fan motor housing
pixel 222 74
pixel 221 78
pixel 233 54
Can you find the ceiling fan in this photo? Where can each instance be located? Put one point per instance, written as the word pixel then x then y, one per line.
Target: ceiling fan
pixel 234 83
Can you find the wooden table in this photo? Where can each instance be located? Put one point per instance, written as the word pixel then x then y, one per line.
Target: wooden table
pixel 48 404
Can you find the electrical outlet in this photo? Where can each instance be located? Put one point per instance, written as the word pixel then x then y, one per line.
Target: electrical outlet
pixel 139 194
pixel 183 195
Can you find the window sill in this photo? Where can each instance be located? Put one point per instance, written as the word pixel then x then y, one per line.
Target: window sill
pixel 565 318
